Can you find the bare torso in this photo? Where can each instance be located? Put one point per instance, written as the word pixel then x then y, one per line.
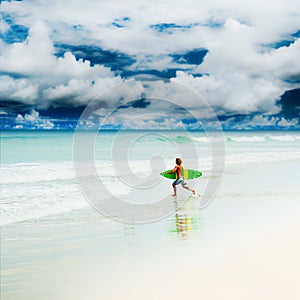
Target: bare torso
pixel 179 171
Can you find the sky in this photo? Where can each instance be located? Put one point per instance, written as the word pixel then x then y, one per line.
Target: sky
pixel 241 57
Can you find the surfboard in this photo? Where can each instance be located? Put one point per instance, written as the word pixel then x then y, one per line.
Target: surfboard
pixel 187 174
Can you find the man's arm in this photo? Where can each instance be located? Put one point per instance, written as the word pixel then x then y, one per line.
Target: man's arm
pixel 172 171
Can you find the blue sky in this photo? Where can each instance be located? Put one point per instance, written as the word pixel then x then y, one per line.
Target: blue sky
pixel 242 57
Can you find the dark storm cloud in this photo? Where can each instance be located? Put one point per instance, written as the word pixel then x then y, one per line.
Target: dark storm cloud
pixel 15 34
pixel 168 73
pixel 96 55
pixel 290 103
pixel 193 57
pixel 63 112
pixel 140 103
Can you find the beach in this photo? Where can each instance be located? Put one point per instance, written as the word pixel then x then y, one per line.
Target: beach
pixel 150 150
pixel 243 245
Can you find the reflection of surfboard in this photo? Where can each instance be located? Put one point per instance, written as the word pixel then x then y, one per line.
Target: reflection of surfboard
pixel 187 174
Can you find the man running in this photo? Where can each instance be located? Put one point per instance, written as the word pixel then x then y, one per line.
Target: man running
pixel 178 169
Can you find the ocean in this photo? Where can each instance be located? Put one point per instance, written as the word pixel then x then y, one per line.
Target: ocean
pixel 37 170
pixel 50 229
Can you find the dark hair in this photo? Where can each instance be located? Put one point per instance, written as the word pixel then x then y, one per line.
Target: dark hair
pixel 178 161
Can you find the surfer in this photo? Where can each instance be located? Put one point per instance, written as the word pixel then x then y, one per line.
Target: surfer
pixel 178 169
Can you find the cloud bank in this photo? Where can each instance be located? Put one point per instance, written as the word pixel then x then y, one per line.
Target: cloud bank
pixel 241 57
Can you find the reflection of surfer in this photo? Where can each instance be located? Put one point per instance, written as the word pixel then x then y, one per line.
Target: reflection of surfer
pixel 183 221
pixel 178 169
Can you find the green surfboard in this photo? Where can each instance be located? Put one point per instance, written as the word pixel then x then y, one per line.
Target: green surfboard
pixel 187 174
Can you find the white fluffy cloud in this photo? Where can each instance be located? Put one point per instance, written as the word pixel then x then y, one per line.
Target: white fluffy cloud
pixel 244 75
pixel 45 77
pixel 22 90
pixel 270 20
pixel 33 120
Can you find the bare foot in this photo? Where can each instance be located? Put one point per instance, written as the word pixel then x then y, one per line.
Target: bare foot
pixel 194 192
pixel 174 195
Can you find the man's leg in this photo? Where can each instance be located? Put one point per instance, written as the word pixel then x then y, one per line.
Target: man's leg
pixel 174 188
pixel 188 188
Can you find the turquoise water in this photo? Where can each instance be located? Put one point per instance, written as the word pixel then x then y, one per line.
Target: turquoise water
pixel 52 146
pixel 37 171
pixel 35 146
